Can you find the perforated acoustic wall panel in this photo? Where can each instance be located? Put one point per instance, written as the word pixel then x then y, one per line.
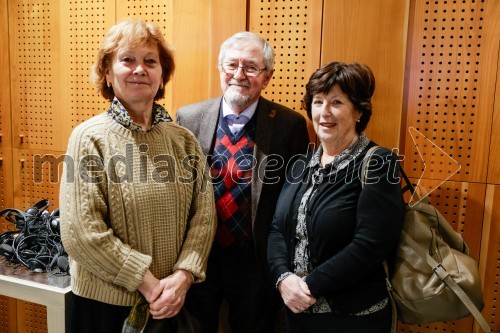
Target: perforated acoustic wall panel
pixel 154 11
pixel 451 76
pixel 37 176
pixel 35 80
pixel 8 314
pixel 449 53
pixel 82 30
pixel 293 28
pixel 4 314
pixel 33 317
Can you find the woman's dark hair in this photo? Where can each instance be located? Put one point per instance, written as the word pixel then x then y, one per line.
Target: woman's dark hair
pixel 355 80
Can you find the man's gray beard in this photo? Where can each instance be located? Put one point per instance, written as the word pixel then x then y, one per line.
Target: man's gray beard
pixel 233 97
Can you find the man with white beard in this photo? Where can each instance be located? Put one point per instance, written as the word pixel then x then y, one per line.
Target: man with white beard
pixel 249 141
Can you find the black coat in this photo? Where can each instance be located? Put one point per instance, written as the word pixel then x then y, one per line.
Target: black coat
pixel 351 230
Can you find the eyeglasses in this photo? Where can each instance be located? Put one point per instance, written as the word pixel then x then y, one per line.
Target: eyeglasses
pixel 249 70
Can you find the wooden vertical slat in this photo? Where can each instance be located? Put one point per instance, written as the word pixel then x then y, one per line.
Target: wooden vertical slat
pixel 190 37
pixel 490 257
pixel 226 19
pixel 5 115
pixel 8 312
pixel 372 32
pixel 494 62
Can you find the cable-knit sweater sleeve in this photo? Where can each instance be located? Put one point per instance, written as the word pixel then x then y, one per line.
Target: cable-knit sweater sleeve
pixel 85 229
pixel 201 224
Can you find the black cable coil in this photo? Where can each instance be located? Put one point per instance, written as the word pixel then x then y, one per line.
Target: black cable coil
pixel 35 240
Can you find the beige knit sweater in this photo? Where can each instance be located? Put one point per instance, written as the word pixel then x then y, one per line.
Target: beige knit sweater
pixel 133 201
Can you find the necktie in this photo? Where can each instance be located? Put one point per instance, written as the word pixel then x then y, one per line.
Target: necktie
pixel 236 122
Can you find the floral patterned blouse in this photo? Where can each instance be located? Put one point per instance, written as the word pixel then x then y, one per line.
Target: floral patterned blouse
pixel 118 112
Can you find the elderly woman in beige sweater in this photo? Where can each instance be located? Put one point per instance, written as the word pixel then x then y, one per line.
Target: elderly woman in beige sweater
pixel 137 214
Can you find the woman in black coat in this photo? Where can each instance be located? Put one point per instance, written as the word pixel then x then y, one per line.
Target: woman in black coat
pixel 330 236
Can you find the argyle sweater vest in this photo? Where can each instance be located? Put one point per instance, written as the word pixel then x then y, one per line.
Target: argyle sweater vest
pixel 231 170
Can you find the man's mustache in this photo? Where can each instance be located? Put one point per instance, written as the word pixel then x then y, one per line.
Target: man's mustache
pixel 244 83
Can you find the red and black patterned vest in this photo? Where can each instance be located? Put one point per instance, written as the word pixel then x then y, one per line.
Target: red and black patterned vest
pixel 231 170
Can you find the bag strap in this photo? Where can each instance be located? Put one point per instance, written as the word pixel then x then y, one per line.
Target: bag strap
pixel 441 273
pixel 438 269
pixel 364 165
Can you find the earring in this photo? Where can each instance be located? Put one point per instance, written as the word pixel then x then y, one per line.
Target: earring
pixel 358 120
pixel 161 85
pixel 108 84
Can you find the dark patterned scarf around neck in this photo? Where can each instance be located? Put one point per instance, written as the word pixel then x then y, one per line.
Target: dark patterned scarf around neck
pixel 340 161
pixel 118 112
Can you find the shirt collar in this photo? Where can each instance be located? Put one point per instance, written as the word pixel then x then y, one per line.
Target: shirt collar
pixel 248 112
pixel 118 112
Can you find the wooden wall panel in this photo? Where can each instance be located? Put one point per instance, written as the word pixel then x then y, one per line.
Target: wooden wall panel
pixel 226 19
pixel 35 180
pixel 8 315
pixel 293 28
pixel 451 73
pixel 83 25
pixel 451 85
pixel 494 157
pixel 6 184
pixel 191 39
pixel 373 32
pixel 196 47
pixel 5 114
pixel 155 11
pixel 32 318
pixel 35 75
pixel 490 257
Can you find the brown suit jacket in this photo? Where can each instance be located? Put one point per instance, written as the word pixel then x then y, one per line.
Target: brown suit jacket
pixel 281 134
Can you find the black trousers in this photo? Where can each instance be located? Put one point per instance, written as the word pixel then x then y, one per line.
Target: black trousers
pixel 240 283
pixel 90 316
pixel 377 322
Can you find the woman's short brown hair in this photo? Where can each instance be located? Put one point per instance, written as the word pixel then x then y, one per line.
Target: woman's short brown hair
pixel 131 33
pixel 355 80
